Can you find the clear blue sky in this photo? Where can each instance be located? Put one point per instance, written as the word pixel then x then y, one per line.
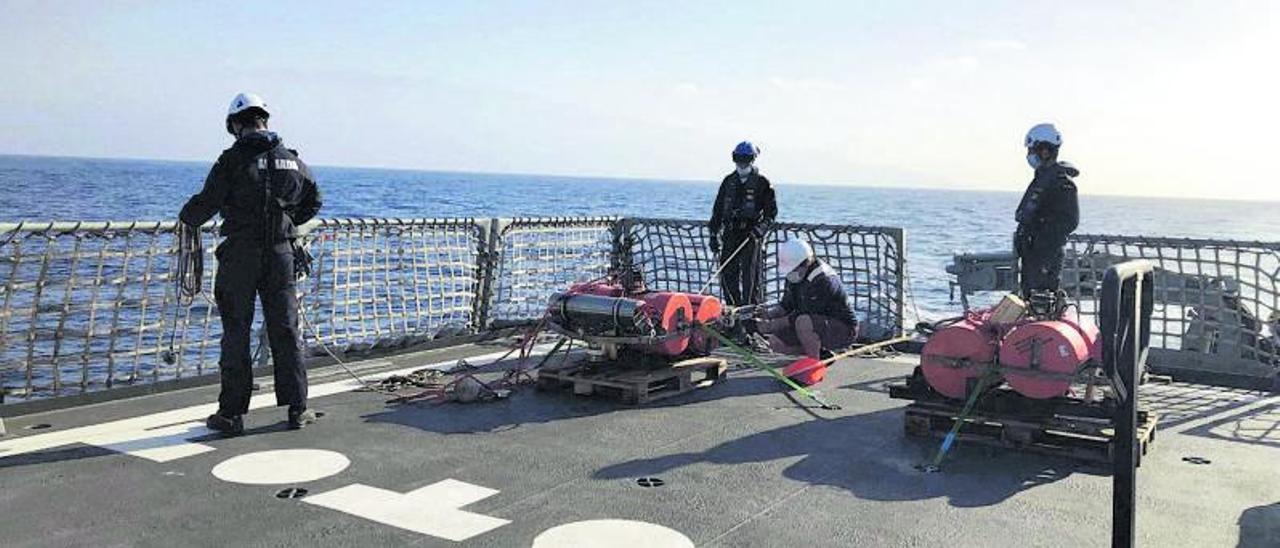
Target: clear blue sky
pixel 1154 98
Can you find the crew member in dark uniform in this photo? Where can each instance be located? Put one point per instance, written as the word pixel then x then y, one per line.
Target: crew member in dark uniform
pixel 743 211
pixel 1048 213
pixel 813 316
pixel 263 192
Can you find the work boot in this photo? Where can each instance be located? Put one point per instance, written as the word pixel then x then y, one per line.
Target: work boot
pixel 227 426
pixel 300 418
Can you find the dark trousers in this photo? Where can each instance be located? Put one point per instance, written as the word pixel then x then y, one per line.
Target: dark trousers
pixel 246 270
pixel 740 276
pixel 1041 266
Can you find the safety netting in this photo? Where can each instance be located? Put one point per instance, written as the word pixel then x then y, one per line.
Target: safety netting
pixel 672 255
pixel 1213 298
pixel 88 306
pixel 392 281
pixel 92 305
pixel 537 257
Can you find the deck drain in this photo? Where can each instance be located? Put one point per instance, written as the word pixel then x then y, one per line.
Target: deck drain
pixel 1196 460
pixel 291 493
pixel 650 482
pixel 40 426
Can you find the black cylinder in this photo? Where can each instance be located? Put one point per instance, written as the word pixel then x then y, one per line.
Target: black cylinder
pixel 596 313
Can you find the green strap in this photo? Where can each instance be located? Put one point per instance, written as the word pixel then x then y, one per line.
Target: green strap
pixel 969 404
pixel 755 362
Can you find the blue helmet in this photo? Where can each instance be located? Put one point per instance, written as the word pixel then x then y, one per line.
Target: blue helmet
pixel 745 152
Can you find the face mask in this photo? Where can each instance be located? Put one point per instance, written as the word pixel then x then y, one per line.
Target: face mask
pixel 794 276
pixel 744 170
pixel 1034 160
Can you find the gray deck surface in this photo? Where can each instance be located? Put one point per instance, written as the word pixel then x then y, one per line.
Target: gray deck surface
pixel 743 465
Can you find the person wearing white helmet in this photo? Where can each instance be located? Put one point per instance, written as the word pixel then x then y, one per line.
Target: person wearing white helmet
pixel 1048 212
pixel 263 192
pixel 744 208
pixel 813 316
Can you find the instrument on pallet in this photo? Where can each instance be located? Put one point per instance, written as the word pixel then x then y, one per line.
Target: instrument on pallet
pixel 1037 356
pixel 641 345
pixel 1020 379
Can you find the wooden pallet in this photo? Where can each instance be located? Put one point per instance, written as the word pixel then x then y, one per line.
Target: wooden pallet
pixel 634 386
pixel 1079 438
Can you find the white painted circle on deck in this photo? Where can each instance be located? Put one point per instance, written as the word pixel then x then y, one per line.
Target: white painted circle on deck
pixel 615 533
pixel 280 467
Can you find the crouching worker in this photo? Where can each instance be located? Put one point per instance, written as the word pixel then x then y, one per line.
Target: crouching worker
pixel 814 314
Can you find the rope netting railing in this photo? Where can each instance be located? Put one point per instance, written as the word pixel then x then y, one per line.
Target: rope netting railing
pixel 536 257
pixel 91 306
pixel 673 256
pixel 1213 298
pixel 392 281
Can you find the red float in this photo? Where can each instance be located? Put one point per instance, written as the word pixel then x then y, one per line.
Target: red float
pixel 706 311
pixel 957 353
pixel 1040 358
pixel 670 312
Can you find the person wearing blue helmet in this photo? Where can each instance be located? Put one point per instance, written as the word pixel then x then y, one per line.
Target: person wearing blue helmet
pixel 743 210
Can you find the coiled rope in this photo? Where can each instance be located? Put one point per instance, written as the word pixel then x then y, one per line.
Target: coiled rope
pixel 189 263
pixel 188 277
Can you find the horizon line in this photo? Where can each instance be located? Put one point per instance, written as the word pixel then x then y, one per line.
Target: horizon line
pixel 828 184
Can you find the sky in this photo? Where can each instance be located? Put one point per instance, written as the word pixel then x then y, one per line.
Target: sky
pixel 1157 98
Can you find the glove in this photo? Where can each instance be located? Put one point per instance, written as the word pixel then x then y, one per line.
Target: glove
pixel 714 244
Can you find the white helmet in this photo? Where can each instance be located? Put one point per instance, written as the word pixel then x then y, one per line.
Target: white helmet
pixel 792 253
pixel 1043 133
pixel 246 101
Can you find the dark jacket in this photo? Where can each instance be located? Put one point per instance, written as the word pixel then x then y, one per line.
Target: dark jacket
pixel 818 292
pixel 1049 209
pixel 261 188
pixel 743 205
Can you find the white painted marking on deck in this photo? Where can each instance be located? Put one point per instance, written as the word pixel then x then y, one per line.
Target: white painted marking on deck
pixel 158 436
pixel 433 510
pixel 161 444
pixel 615 533
pixel 281 467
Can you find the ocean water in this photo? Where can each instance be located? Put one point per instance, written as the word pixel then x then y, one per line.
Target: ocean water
pixel 938 223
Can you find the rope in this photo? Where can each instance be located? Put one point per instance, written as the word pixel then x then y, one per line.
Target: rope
pixel 755 362
pixel 726 262
pixel 189 263
pixel 188 278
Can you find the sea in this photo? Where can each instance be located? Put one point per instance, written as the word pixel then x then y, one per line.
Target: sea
pixel 938 223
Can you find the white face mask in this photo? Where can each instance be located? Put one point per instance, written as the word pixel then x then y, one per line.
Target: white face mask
pixel 794 276
pixel 744 170
pixel 1034 160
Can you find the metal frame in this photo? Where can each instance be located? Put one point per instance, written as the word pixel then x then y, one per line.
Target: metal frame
pixel 1125 319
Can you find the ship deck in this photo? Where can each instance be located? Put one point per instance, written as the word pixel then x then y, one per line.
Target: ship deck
pixel 741 464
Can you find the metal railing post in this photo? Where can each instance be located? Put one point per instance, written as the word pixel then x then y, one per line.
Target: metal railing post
pixel 487 257
pixel 620 252
pixel 901 284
